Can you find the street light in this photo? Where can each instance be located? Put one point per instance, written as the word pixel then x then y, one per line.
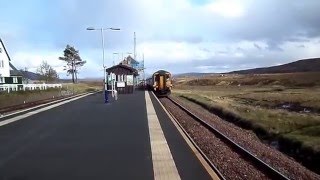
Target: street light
pixel 92 28
pixel 102 41
pixel 102 38
pixel 115 53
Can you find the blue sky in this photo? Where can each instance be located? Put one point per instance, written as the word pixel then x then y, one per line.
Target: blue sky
pixel 199 2
pixel 176 35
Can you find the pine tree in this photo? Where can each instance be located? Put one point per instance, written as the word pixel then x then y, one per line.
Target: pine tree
pixel 74 62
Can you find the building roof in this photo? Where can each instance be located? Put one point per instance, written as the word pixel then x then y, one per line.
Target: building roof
pixel 133 61
pixel 15 73
pixel 12 67
pixel 129 61
pixel 5 50
pixel 121 66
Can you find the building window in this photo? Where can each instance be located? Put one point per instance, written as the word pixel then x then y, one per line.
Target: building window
pixel 0 50
pixel 1 64
pixel 15 80
pixel 2 80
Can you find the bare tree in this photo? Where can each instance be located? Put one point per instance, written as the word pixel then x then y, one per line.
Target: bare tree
pixel 24 72
pixel 48 74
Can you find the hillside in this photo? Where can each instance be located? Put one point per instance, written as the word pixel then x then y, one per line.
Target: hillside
pixel 30 75
pixel 305 65
pixel 193 74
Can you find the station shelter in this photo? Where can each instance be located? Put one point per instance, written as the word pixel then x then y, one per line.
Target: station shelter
pixel 122 78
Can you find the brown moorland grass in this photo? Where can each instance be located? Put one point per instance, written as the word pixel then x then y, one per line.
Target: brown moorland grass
pixel 306 79
pixel 261 105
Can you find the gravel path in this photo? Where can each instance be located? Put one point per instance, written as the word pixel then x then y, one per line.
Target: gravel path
pixel 227 161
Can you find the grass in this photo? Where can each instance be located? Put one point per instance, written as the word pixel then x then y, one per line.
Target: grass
pixel 19 97
pixel 257 106
pixel 309 79
pixel 305 97
pixel 297 134
pixel 304 135
pixel 273 121
pixel 82 87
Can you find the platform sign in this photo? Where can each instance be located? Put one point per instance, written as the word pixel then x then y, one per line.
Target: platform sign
pixel 130 80
pixel 121 84
pixel 106 76
pixel 110 78
pixel 113 76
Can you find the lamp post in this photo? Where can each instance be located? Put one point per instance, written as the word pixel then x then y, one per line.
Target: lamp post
pixel 115 53
pixel 104 67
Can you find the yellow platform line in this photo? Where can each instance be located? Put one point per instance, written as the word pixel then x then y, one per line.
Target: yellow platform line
pixel 162 160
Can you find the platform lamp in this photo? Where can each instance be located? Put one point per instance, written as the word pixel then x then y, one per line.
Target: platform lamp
pixel 104 67
pixel 115 53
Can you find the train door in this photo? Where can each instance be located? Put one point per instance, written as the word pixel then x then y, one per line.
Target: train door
pixel 161 83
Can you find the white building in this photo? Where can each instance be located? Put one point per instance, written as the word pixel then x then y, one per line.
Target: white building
pixel 11 78
pixel 8 73
pixel 4 61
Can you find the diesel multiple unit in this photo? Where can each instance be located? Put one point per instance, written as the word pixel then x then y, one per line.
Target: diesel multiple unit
pixel 160 83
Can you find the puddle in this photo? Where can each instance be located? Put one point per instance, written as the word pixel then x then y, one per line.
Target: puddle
pixel 295 107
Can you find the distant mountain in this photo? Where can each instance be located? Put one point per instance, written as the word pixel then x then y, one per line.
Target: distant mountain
pixel 30 75
pixel 192 74
pixel 91 79
pixel 304 65
pixel 65 81
pixel 36 77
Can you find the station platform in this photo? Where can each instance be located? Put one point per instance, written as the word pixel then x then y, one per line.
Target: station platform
pixel 131 138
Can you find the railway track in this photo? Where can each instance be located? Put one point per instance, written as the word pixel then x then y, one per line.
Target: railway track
pixel 9 109
pixel 28 104
pixel 261 166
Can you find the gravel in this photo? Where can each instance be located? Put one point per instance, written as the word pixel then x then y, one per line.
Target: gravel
pixel 229 163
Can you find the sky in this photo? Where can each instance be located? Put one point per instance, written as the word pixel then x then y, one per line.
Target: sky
pixel 176 35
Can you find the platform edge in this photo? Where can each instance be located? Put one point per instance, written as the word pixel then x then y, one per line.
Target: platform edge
pixel 190 143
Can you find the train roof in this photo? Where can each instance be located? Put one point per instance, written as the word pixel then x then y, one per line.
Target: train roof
pixel 161 72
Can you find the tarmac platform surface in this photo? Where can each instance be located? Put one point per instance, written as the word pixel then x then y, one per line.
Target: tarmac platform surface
pixel 88 139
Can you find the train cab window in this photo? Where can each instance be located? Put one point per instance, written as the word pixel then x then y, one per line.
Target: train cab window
pixel 157 78
pixel 167 77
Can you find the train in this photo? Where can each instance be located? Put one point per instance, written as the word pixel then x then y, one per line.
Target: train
pixel 160 82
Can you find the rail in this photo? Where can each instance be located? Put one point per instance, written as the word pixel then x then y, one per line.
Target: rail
pixel 274 174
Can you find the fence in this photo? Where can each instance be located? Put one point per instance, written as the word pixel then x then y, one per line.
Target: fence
pixel 23 87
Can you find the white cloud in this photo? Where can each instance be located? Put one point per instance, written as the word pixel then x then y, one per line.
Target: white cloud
pixel 173 34
pixel 227 8
pixel 32 60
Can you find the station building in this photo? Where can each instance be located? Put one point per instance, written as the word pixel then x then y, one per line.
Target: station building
pixel 125 78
